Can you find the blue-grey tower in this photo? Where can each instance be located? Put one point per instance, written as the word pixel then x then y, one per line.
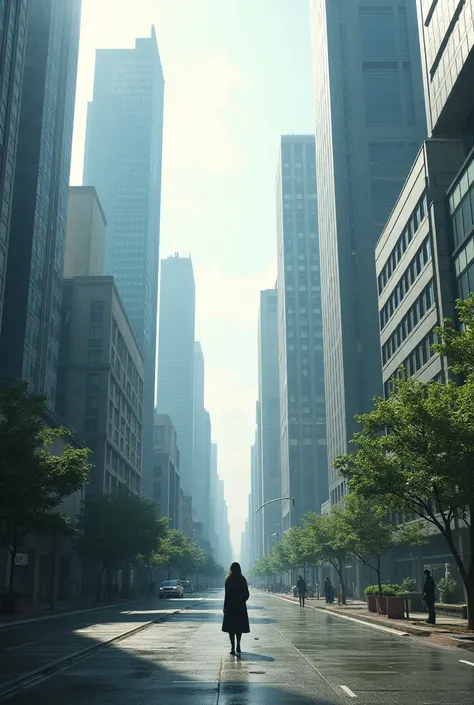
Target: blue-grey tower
pixel 123 158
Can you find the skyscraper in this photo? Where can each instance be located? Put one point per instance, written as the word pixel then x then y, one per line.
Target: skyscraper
pixel 269 411
pixel 370 123
pixel 29 342
pixel 199 463
pixel 175 391
pixel 304 473
pixel 123 156
pixel 13 24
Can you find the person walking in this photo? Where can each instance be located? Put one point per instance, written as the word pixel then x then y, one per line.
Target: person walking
pixel 328 590
pixel 428 596
pixel 302 590
pixel 236 620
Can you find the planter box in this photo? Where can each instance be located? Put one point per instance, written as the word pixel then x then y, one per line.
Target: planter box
pixel 381 603
pixel 452 610
pixel 13 605
pixel 395 607
pixel 371 603
pixel 416 604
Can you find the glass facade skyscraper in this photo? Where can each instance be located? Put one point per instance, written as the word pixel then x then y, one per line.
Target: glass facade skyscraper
pixel 29 342
pixel 123 156
pixel 13 18
pixel 304 474
pixel 176 358
pixel 370 124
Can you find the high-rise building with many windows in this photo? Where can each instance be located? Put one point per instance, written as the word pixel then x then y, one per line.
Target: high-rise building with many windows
pixel 29 342
pixel 176 357
pixel 370 124
pixel 13 24
pixel 304 472
pixel 123 156
pixel 269 415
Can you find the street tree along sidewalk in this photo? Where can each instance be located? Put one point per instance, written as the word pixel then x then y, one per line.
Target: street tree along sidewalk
pixel 179 554
pixel 369 535
pixel 33 481
pixel 115 530
pixel 415 450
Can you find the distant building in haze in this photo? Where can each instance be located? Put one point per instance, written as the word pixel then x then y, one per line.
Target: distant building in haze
pixel 176 357
pixel 370 124
pixel 123 157
pixel 304 471
pixel 29 342
pixel 166 483
pixel 269 411
pixel 85 234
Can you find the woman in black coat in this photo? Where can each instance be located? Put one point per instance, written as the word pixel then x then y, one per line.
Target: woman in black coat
pixel 236 620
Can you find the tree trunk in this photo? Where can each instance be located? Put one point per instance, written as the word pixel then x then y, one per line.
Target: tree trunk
pixel 13 551
pixel 52 577
pixel 99 584
pixel 379 579
pixel 470 601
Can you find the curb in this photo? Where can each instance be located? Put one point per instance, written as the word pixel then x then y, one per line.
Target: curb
pixel 11 687
pixel 433 637
pixel 67 613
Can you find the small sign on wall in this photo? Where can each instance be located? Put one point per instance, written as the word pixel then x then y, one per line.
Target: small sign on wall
pixel 21 559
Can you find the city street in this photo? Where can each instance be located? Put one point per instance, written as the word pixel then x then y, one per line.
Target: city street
pixel 292 656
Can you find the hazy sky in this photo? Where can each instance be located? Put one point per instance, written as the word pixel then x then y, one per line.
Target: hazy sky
pixel 238 75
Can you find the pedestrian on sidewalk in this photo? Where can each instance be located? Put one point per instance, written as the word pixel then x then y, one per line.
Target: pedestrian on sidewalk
pixel 328 590
pixel 428 596
pixel 302 590
pixel 236 620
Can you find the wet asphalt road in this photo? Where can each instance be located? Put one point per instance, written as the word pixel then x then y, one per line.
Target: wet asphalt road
pixel 292 656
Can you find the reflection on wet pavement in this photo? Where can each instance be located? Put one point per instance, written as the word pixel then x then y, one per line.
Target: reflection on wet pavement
pixel 292 656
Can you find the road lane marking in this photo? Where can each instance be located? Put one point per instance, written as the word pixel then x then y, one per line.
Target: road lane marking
pixel 468 663
pixel 395 632
pixel 348 691
pixel 14 648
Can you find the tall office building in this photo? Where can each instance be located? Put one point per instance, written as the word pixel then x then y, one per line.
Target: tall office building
pixel 123 156
pixel 85 234
pixel 304 472
pixel 370 124
pixel 29 342
pixel 175 391
pixel 13 24
pixel 199 440
pixel 269 411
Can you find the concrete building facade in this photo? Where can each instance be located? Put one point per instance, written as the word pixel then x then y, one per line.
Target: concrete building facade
pixel 166 482
pixel 123 157
pixel 13 26
pixel 370 124
pixel 85 234
pixel 269 410
pixel 29 344
pixel 175 392
pixel 100 382
pixel 304 470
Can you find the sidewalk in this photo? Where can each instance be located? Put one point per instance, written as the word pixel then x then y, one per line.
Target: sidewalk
pixel 37 611
pixel 451 631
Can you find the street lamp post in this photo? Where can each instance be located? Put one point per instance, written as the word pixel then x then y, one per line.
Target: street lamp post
pixel 278 499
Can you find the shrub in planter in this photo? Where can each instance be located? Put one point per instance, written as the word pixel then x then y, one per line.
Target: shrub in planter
pixel 408 586
pixel 371 591
pixel 390 590
pixel 447 590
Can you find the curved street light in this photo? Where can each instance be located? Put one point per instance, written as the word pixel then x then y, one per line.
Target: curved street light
pixel 278 499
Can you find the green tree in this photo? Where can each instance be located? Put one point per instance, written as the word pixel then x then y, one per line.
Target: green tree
pixel 415 454
pixel 33 480
pixel 457 343
pixel 326 541
pixel 179 554
pixel 370 536
pixel 116 529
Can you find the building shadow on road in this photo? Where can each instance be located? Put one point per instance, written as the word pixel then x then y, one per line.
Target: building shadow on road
pixel 150 668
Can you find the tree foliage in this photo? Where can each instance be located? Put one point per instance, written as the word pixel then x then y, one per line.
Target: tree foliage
pixel 179 554
pixel 33 480
pixel 458 344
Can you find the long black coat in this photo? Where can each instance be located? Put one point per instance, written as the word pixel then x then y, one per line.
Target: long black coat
pixel 236 619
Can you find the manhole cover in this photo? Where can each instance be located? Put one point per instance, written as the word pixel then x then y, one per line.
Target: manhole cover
pixel 259 673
